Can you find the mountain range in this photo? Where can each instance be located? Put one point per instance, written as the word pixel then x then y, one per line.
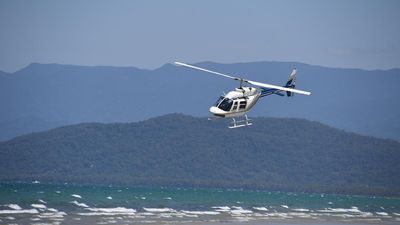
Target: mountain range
pixel 179 150
pixel 44 96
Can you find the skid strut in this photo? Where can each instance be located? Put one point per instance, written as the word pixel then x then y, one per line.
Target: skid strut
pixel 241 123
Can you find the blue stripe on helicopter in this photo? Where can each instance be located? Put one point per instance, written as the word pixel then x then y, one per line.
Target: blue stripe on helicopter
pixel 270 91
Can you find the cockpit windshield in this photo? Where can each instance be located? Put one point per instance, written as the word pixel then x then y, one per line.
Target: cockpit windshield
pixel 224 103
pixel 219 101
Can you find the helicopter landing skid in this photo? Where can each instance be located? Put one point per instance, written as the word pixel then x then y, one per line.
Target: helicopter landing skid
pixel 240 123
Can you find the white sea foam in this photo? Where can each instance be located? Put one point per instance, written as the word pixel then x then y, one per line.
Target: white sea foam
pixel 340 210
pixel 368 220
pixel 80 204
pixel 260 208
pixel 9 218
pixel 41 201
pixel 280 215
pixel 201 212
pixel 19 211
pixel 122 210
pixel 382 213
pixel 299 214
pixel 76 196
pixel 52 210
pixel 164 215
pixel 146 214
pixel 285 206
pixel 36 182
pixel 365 214
pixel 191 215
pixel 52 215
pixel 38 206
pixel 344 215
pixel 108 211
pixel 240 211
pixel 258 214
pixel 396 214
pixel 109 197
pixel 242 219
pixel 14 206
pixel 168 198
pixel 159 210
pixel 221 208
pixel 301 210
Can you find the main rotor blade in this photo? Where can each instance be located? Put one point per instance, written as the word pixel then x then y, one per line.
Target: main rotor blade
pixel 278 87
pixel 248 81
pixel 205 70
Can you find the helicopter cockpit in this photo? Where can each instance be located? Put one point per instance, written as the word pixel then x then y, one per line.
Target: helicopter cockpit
pixel 224 103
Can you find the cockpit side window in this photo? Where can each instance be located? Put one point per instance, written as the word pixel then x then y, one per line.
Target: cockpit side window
pixel 226 104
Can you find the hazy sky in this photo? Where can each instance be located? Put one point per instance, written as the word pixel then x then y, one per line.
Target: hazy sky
pixel 147 34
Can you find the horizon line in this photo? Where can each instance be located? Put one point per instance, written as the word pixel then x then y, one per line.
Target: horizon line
pixel 200 62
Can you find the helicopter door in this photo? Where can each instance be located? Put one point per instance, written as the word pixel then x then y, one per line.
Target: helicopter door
pixel 242 104
pixel 235 106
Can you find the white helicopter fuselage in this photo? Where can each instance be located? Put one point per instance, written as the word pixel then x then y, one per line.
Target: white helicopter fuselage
pixel 240 100
pixel 236 102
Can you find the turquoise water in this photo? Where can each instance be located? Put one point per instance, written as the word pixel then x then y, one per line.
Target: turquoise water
pixel 71 204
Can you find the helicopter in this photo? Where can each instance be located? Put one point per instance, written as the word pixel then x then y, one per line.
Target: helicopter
pixel 236 103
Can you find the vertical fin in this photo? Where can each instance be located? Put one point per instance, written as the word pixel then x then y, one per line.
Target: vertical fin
pixel 291 83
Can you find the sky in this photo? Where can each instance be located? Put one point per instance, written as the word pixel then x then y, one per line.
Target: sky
pixel 147 34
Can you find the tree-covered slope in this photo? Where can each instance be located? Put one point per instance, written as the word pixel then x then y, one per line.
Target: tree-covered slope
pixel 179 150
pixel 50 95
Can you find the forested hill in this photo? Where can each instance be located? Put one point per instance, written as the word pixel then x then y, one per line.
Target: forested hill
pixel 43 96
pixel 180 150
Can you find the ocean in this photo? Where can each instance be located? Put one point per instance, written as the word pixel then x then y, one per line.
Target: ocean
pixel 36 203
